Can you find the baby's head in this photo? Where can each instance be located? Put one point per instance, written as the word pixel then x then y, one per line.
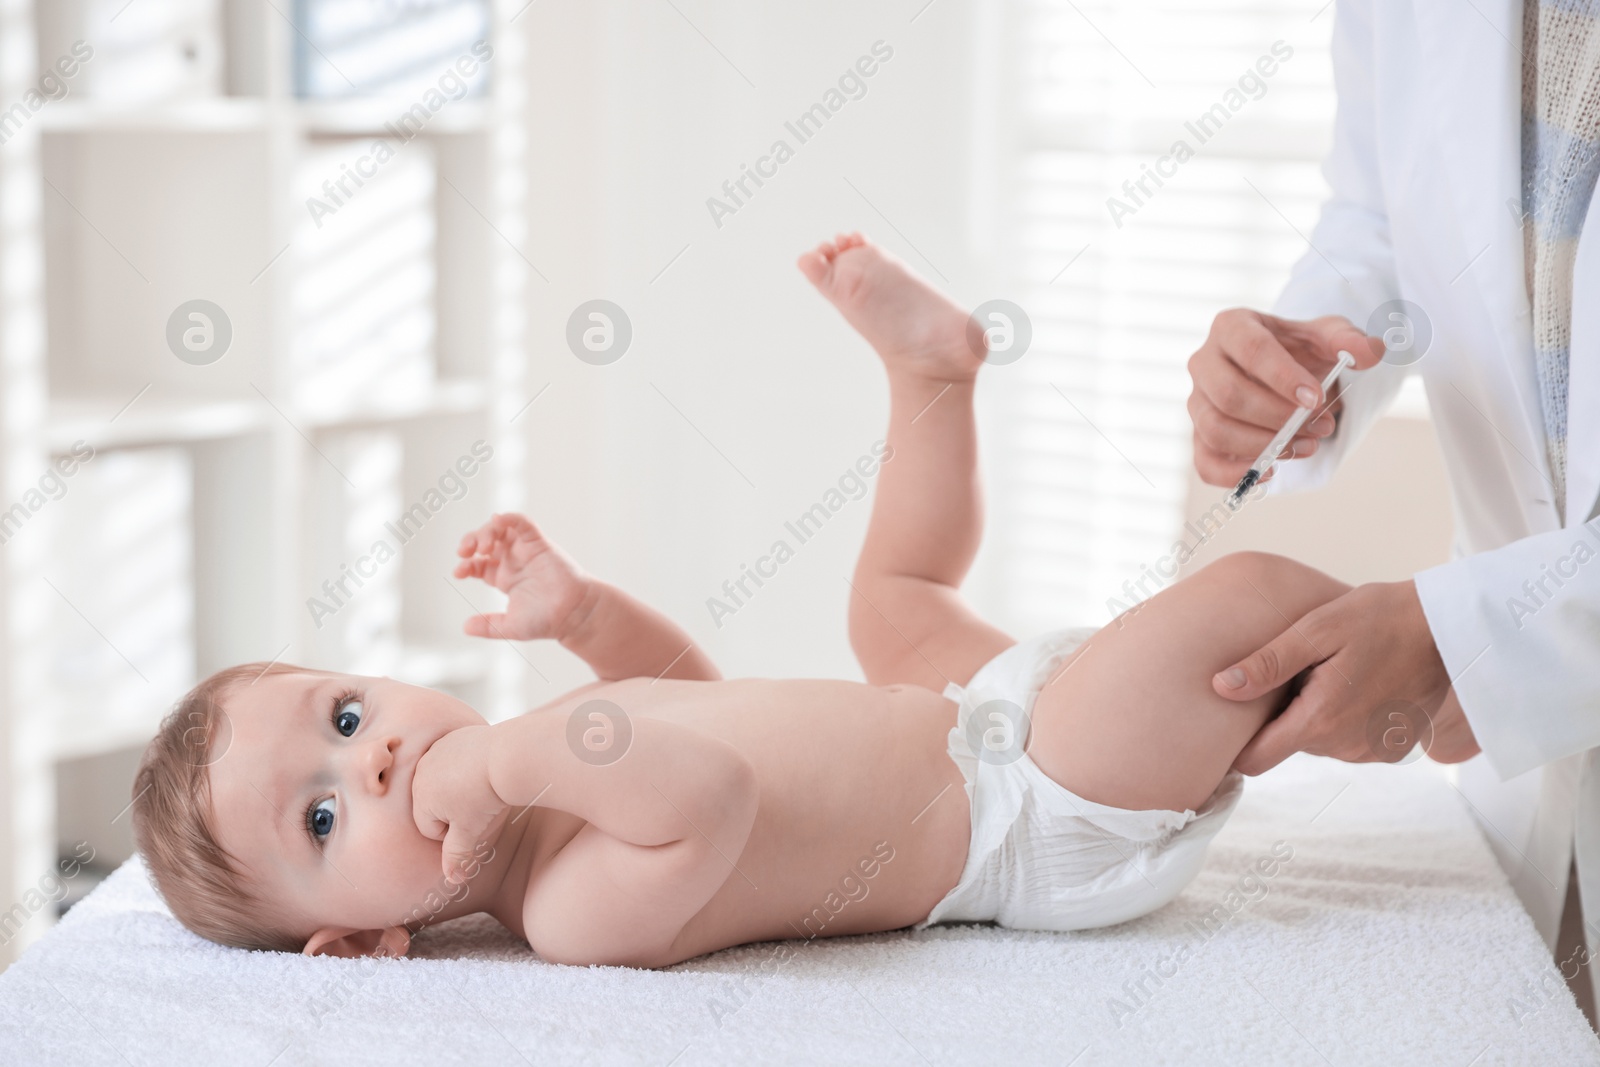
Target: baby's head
pixel 273 809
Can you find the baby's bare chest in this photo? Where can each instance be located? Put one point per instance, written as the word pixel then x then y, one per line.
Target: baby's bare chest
pixel 863 819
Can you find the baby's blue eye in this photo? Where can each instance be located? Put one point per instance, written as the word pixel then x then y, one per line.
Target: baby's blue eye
pixel 320 818
pixel 348 717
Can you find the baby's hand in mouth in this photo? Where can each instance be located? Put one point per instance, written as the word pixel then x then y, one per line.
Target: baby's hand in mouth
pixel 452 800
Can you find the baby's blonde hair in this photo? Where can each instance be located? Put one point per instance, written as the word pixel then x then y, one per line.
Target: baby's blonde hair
pixel 204 885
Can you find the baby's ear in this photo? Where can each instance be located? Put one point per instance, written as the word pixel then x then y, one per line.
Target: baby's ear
pixel 348 942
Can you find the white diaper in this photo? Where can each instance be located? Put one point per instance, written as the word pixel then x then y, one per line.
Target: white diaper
pixel 1042 857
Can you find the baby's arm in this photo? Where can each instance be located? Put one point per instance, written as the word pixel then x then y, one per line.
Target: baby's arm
pixel 551 597
pixel 666 824
pixel 622 637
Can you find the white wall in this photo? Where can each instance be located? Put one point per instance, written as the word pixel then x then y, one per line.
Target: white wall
pixel 635 119
pixel 1384 516
pixel 634 122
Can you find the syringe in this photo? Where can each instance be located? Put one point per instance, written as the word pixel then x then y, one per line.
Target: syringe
pixel 1269 456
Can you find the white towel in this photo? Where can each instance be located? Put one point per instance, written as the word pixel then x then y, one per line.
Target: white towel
pixel 1391 937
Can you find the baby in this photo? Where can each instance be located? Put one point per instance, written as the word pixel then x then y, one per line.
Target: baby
pixel 1067 782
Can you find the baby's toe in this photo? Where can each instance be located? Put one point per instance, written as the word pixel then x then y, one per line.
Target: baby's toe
pixel 815 266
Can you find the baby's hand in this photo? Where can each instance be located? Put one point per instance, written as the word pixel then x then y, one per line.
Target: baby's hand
pixel 547 589
pixel 451 799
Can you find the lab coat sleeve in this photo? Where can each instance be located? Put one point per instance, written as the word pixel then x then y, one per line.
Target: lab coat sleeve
pixel 1518 628
pixel 1349 268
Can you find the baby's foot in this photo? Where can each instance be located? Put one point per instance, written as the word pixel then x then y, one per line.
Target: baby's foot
pixel 915 328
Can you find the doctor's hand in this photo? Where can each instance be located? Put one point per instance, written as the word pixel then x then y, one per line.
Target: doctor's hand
pixel 1251 374
pixel 1362 652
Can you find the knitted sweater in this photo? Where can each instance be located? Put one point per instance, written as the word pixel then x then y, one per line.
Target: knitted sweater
pixel 1560 160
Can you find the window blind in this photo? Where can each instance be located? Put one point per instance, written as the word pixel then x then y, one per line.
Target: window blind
pixel 1122 247
pixel 386 48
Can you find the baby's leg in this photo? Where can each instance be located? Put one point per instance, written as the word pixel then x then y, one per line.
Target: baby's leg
pixel 1132 720
pixel 908 622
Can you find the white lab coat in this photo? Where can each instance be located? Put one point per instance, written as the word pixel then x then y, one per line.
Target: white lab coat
pixel 1426 176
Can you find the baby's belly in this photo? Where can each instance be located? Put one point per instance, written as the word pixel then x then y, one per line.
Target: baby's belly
pixel 864 819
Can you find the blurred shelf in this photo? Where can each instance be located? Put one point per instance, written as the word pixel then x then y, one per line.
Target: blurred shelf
pixel 214 474
pixel 447 396
pixel 334 118
pixel 109 424
pixel 221 113
pixel 80 736
pixel 430 665
pixel 147 422
pixel 377 116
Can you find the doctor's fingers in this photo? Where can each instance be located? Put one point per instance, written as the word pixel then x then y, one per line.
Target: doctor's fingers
pixel 1300 645
pixel 1246 342
pixel 1329 335
pixel 1222 383
pixel 1229 435
pixel 1272 744
pixel 1294 730
pixel 1325 719
pixel 1222 468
